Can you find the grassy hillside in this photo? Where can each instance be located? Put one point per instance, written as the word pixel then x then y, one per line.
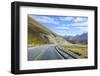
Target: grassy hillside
pixel 38 34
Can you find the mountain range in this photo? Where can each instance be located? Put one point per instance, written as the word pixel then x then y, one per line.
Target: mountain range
pixel 82 38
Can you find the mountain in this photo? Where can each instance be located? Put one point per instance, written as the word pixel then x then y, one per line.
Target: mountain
pixel 40 35
pixel 82 39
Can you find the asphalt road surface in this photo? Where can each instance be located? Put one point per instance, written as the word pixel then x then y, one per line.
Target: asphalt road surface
pixel 48 52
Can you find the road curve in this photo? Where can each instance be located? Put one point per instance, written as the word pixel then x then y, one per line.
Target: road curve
pixel 46 52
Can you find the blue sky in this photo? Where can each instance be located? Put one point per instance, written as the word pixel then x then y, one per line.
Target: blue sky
pixel 64 25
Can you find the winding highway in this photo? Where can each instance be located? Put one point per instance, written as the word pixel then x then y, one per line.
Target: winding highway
pixel 48 52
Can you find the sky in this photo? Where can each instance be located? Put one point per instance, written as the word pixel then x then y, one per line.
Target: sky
pixel 64 25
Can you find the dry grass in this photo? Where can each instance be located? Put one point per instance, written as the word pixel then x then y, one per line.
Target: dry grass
pixel 81 51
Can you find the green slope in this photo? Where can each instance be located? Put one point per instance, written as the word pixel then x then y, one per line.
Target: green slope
pixel 34 25
pixel 38 34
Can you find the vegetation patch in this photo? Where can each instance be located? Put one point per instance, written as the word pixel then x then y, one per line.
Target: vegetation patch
pixel 81 51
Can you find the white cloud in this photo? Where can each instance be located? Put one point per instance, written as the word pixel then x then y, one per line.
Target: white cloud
pixel 80 19
pixel 82 24
pixel 66 18
pixel 62 28
pixel 84 29
pixel 61 32
pixel 45 19
pixel 74 19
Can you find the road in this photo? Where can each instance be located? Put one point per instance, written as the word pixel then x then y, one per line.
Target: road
pixel 47 52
